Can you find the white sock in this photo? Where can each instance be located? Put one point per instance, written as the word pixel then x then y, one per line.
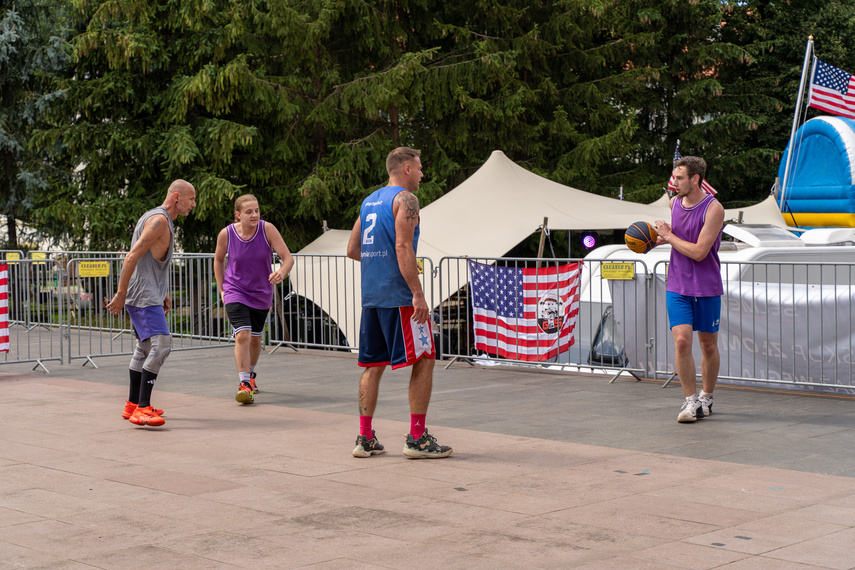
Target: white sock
pixel 244 377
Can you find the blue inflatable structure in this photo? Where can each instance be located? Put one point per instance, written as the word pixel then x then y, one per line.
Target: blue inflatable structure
pixel 820 192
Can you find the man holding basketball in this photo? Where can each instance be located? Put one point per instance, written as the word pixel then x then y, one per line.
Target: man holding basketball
pixel 395 327
pixel 694 287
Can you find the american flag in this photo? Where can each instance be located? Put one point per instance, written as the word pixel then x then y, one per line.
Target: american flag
pixel 832 90
pixel 705 186
pixel 524 313
pixel 4 308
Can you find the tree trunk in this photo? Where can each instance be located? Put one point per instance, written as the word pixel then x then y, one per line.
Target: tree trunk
pixel 12 228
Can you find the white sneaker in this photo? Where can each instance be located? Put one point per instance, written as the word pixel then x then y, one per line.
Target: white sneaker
pixel 690 411
pixel 706 401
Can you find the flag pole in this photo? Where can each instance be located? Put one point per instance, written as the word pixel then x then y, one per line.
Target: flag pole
pixel 808 51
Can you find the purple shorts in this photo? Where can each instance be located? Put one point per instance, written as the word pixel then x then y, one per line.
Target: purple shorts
pixel 148 321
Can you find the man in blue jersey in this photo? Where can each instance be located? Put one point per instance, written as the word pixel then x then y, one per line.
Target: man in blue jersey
pixel 395 328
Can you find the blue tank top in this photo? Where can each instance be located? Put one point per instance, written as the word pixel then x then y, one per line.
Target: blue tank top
pixel 685 275
pixel 382 282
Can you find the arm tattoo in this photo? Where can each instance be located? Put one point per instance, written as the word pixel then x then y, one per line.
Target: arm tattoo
pixel 411 204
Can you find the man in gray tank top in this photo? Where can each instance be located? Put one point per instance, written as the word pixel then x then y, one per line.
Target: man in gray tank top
pixel 144 291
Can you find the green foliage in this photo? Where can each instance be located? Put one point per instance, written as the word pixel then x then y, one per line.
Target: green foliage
pixel 30 50
pixel 299 102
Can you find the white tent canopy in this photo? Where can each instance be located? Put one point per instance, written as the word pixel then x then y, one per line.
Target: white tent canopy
pixel 486 216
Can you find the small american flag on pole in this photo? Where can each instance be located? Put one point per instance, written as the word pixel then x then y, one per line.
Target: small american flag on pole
pixel 832 90
pixel 4 307
pixel 524 313
pixel 705 186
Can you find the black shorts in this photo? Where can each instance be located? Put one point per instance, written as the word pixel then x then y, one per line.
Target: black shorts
pixel 245 318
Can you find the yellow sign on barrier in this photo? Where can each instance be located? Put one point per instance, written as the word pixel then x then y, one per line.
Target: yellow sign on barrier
pixel 38 255
pixel 618 271
pixel 13 256
pixel 94 269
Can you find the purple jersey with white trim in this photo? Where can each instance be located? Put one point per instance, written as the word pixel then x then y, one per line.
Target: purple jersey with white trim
pixel 685 275
pixel 248 269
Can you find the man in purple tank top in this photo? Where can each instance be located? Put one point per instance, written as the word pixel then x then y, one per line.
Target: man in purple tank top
pixel 246 282
pixel 694 286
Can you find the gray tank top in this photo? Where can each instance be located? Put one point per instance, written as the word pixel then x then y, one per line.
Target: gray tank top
pixel 150 282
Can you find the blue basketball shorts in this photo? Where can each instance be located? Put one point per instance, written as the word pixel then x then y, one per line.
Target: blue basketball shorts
pixel 391 336
pixel 703 313
pixel 148 321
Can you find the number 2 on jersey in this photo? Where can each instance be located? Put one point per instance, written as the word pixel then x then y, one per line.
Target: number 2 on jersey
pixel 371 220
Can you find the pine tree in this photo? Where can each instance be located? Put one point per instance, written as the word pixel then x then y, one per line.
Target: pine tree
pixel 30 50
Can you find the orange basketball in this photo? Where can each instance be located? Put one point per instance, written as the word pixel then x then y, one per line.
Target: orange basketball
pixel 640 237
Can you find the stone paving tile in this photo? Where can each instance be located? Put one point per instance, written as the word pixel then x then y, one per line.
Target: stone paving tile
pixel 272 486
pixel 797 485
pixel 764 563
pixel 705 495
pixel 13 517
pixel 152 558
pixel 829 551
pixel 684 555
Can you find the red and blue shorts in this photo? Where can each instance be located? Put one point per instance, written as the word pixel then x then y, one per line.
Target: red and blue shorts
pixel 391 336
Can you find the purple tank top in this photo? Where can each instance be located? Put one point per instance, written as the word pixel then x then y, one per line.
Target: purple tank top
pixel 248 269
pixel 685 275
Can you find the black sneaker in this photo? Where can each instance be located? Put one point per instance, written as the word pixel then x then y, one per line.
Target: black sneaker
pixel 425 447
pixel 252 383
pixel 367 447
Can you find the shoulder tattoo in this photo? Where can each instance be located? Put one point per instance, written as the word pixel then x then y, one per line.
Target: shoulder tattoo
pixel 411 207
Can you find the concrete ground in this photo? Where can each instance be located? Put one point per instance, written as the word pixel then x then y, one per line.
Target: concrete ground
pixel 549 471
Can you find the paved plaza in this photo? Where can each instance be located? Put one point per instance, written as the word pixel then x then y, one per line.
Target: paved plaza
pixel 549 471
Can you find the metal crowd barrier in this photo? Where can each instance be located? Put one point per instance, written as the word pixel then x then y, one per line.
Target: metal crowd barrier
pixel 495 311
pixel 782 324
pixel 35 312
pixel 320 306
pixel 197 318
pixel 11 254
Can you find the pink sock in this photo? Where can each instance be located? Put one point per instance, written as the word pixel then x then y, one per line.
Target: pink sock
pixel 365 426
pixel 417 425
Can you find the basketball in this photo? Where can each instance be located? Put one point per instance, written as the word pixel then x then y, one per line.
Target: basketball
pixel 640 237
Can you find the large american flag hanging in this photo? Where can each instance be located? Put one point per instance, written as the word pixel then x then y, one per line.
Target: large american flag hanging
pixel 832 90
pixel 4 307
pixel 524 313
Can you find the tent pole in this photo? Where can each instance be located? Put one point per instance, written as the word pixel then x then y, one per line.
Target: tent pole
pixel 542 240
pixel 808 51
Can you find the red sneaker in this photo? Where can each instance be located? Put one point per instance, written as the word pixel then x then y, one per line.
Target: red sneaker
pixel 244 393
pixel 252 383
pixel 146 417
pixel 130 407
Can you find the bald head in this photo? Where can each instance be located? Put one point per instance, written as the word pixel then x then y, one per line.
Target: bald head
pixel 180 186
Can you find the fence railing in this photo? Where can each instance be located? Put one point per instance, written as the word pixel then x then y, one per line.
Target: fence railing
pixel 783 324
pixel 508 310
pixel 35 310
